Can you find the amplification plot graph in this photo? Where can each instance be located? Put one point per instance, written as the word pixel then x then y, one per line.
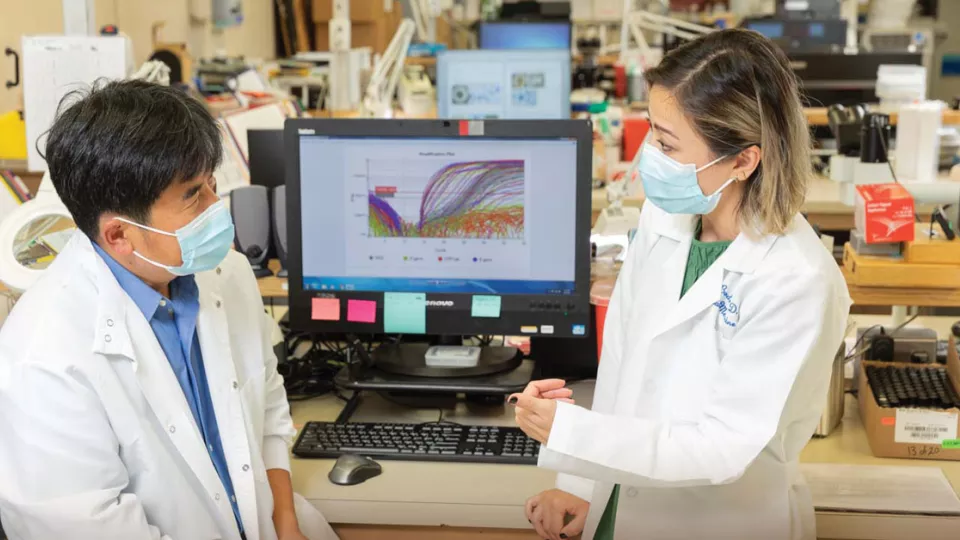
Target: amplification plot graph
pixel 431 198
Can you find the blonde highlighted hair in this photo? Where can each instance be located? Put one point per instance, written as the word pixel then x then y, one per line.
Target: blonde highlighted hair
pixel 737 88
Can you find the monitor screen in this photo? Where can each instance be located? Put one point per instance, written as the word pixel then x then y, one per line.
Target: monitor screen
pixel 439 216
pixel 770 29
pixel 525 35
pixel 447 216
pixel 479 84
pixel 265 147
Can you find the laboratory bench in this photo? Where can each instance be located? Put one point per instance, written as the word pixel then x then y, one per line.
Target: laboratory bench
pixel 824 206
pixel 452 501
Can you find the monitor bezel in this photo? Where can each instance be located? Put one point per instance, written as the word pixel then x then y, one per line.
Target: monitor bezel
pixel 445 58
pixel 518 312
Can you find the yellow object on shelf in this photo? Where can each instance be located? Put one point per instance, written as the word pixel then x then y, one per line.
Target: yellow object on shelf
pixel 867 271
pixel 13 136
pixel 935 250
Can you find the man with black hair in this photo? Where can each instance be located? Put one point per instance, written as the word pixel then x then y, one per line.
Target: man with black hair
pixel 139 395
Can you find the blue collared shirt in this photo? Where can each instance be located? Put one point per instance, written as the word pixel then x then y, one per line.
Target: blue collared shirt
pixel 174 322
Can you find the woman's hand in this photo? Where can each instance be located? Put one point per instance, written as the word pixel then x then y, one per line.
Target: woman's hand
pixel 537 406
pixel 549 389
pixel 534 416
pixel 548 512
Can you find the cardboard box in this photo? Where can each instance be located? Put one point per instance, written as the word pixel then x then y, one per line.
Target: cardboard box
pixel 881 423
pixel 360 10
pixel 884 213
pixel 375 34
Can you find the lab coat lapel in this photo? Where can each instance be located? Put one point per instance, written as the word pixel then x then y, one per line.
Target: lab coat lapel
pixel 678 231
pixel 743 256
pixel 124 332
pixel 162 391
pixel 214 335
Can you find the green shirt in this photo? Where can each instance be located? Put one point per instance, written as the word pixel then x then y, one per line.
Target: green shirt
pixel 702 255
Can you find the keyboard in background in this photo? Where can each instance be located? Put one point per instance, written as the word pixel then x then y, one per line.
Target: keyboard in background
pixel 418 442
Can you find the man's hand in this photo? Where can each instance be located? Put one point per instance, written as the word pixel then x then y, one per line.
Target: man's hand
pixel 287 526
pixel 535 416
pixel 284 512
pixel 548 512
pixel 292 535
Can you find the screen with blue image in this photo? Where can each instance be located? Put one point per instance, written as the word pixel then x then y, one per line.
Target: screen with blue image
pixel 438 215
pixel 481 84
pixel 525 35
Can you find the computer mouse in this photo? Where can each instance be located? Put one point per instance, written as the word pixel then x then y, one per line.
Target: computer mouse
pixel 351 469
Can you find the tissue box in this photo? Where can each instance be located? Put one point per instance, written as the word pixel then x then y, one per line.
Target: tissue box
pixel 884 213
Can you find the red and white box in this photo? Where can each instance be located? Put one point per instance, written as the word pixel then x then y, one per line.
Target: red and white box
pixel 884 213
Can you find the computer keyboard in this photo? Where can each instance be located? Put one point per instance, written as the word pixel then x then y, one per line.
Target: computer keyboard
pixel 418 442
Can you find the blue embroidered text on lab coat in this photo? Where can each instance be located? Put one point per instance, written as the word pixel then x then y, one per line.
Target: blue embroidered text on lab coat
pixel 727 308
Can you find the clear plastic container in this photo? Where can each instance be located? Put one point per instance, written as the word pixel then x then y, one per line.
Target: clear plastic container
pixel 900 85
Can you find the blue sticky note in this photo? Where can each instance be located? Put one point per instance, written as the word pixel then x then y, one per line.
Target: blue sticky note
pixel 405 313
pixel 486 306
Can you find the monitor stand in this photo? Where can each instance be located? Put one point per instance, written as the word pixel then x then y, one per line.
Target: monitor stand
pixel 410 359
pixel 499 372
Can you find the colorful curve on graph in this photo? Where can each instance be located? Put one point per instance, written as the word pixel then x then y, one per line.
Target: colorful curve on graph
pixel 475 199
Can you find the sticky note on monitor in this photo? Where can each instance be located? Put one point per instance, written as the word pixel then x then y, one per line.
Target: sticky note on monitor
pixel 362 311
pixel 405 313
pixel 486 307
pixel 325 309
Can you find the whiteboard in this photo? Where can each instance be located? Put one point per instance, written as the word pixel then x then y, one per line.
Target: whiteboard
pixel 53 66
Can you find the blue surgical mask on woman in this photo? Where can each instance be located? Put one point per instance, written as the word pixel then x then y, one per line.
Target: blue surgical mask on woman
pixel 204 242
pixel 673 186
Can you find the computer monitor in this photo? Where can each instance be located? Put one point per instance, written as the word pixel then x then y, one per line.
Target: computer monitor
pixel 525 35
pixel 478 84
pixel 266 155
pixel 440 228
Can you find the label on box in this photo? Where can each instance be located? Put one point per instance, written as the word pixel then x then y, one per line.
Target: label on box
pixel 884 213
pixel 924 427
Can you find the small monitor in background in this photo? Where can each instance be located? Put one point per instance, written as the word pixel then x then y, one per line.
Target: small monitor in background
pixel 525 35
pixel 501 84
pixel 266 157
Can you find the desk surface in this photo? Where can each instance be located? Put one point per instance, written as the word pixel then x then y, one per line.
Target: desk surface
pixel 492 496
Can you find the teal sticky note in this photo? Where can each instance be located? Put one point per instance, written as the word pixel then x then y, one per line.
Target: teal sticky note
pixel 486 307
pixel 405 313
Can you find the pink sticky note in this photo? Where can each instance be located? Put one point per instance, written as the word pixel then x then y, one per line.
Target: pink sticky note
pixel 362 311
pixel 326 309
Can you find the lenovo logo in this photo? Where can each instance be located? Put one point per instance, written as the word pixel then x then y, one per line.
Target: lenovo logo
pixel 439 303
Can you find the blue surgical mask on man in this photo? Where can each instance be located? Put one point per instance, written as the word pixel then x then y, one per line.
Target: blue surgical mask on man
pixel 204 242
pixel 673 186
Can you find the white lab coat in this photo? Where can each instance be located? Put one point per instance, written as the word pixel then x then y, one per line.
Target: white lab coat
pixel 703 404
pixel 105 445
